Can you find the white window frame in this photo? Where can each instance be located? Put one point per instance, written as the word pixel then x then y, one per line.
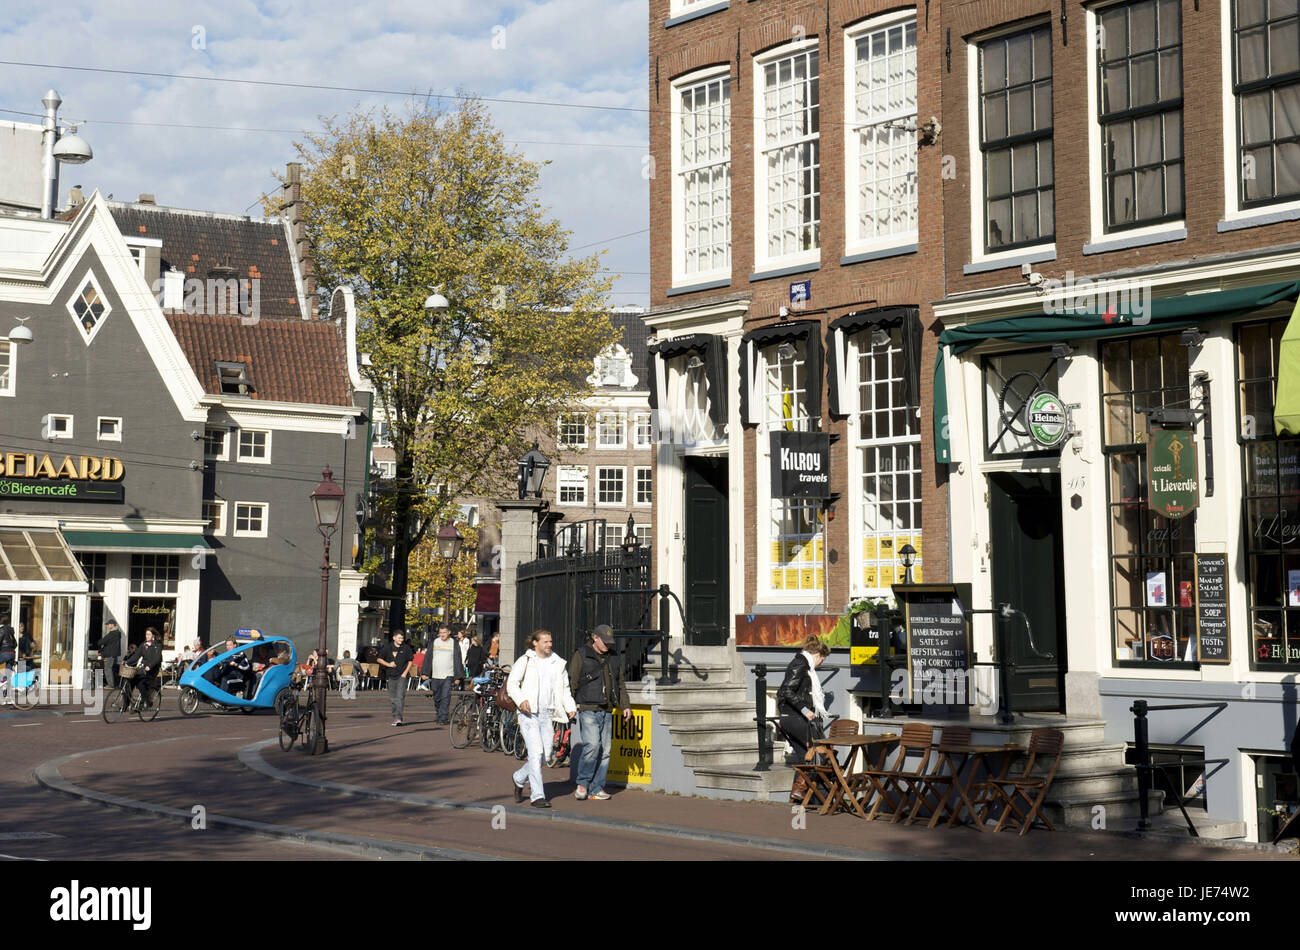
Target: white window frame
pixel 1096 181
pixel 769 420
pixel 11 386
pixel 116 435
pixel 853 128
pixel 224 454
pixel 644 534
pixel 76 295
pixel 642 425
pixel 622 429
pixel 975 157
pixel 49 424
pixel 636 486
pixel 680 276
pixel 383 434
pixel 762 260
pixel 679 7
pixel 572 419
pixel 245 533
pixel 253 460
pixel 856 473
pixel 157 570
pixel 1232 169
pixel 387 468
pixel 622 500
pixel 571 477
pixel 220 529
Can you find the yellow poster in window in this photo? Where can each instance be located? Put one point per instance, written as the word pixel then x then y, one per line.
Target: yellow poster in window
pixel 777 576
pixel 821 580
pixel 807 578
pixel 869 576
pixel 916 574
pixel 886 575
pixel 886 549
pixel 778 552
pixel 792 578
pixel 916 543
pixel 869 549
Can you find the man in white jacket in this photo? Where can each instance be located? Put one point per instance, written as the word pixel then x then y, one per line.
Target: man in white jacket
pixel 539 685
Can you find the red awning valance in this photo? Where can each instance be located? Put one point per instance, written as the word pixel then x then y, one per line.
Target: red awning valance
pixel 488 599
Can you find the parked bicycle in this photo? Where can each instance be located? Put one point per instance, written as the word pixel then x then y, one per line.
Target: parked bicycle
pixel 299 718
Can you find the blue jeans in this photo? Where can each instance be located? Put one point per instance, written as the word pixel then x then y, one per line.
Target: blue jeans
pixel 442 697
pixel 597 727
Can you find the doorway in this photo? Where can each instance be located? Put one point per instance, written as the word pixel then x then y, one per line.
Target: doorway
pixel 707 578
pixel 1029 573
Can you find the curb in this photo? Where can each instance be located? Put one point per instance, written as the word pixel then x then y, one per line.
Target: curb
pixel 48 774
pixel 250 756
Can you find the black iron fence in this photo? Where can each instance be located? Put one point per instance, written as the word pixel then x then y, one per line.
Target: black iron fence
pixel 571 595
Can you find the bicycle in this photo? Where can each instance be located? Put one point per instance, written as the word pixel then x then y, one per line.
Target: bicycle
pixel 300 719
pixel 512 738
pixel 561 745
pixel 144 702
pixel 21 687
pixel 465 715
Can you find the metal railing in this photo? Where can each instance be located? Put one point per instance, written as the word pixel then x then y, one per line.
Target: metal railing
pixel 1145 768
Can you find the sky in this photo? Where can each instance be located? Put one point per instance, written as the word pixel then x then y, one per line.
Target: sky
pixel 588 57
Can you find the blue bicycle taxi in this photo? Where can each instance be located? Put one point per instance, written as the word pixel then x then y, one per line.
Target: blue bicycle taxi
pixel 266 684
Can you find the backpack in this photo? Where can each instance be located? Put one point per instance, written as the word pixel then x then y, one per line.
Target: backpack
pixel 8 643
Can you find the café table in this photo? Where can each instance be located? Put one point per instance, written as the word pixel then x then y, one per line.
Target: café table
pixel 976 757
pixel 853 743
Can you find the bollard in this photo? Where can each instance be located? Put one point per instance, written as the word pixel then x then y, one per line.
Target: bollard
pixel 1142 747
pixel 1005 714
pixel 880 620
pixel 760 717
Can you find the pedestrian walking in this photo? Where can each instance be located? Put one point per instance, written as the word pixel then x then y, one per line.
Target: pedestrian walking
pixel 110 649
pixel 475 657
pixel 396 658
pixel 439 672
pixel 8 641
pixel 539 685
pixel 801 704
pixel 596 681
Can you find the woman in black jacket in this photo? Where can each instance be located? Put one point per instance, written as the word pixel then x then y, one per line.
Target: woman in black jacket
pixel 799 700
pixel 475 657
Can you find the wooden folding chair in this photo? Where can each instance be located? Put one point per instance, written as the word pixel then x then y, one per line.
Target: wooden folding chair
pixel 890 785
pixel 932 790
pixel 1044 752
pixel 819 775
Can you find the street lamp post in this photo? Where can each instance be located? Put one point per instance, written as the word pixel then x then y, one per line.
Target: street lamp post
pixel 907 554
pixel 327 500
pixel 449 541
pixel 532 470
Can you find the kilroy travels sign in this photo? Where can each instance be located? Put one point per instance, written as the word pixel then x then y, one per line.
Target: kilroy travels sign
pixel 26 476
pixel 801 464
pixel 1173 472
pixel 1046 418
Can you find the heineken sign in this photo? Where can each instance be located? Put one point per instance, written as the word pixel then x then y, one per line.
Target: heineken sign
pixel 1173 472
pixel 1046 419
pixel 801 464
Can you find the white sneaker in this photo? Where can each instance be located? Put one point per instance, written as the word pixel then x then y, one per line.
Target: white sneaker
pixel 580 794
pixel 422 688
pixel 601 796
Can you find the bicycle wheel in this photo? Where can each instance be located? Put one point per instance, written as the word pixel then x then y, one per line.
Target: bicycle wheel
pixel 150 703
pixel 489 726
pixel 461 717
pixel 26 698
pixel 509 728
pixel 288 723
pixel 114 705
pixel 553 752
pixel 521 746
pixel 313 735
pixel 189 702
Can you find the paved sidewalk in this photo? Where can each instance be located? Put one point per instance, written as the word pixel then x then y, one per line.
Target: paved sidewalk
pixel 408 785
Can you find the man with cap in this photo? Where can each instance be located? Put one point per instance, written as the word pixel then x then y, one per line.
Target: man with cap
pixel 596 681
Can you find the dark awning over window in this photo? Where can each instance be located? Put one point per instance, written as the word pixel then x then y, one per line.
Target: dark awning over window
pixel 908 319
pixel 711 349
pixel 487 598
pixel 809 331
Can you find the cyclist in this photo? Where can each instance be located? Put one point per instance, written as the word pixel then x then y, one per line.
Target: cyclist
pixel 146 657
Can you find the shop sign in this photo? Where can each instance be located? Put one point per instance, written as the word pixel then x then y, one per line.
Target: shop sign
pixel 630 747
pixel 27 476
pixel 1046 418
pixel 1173 472
pixel 801 464
pixel 801 292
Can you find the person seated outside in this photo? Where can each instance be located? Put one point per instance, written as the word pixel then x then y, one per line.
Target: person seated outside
pixel 236 672
pixel 347 672
pixel 146 658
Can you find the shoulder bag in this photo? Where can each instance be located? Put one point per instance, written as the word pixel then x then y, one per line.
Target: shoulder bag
pixel 502 697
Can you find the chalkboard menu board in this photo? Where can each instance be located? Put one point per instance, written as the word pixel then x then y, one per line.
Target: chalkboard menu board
pixel 938 642
pixel 1212 608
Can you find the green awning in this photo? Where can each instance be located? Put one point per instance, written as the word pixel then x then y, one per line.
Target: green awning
pixel 1125 315
pixel 1286 405
pixel 135 541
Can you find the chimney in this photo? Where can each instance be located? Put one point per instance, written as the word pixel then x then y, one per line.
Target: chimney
pixel 291 208
pixel 147 200
pixel 75 198
pixel 173 290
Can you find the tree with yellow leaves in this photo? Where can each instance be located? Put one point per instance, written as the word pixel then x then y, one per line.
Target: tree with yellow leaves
pixel 401 207
pixel 427 577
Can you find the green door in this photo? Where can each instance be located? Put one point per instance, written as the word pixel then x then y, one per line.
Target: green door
pixel 706 552
pixel 1029 573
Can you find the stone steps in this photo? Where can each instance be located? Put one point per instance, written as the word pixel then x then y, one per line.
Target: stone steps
pixel 740 783
pixel 731 714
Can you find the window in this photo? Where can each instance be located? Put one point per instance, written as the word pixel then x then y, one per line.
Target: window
pixel 155 573
pixel 1153 571
pixel 387 468
pixel 89 308
pixel 109 429
pixel 643 535
pixel 611 430
pixel 1010 380
pixel 382 435
pixel 1140 102
pixel 573 430
pixel 234 379
pixel 94 564
pixel 216 443
pixel 794 526
pixel 702 180
pixel 8 379
pixel 1015 100
pixel 56 427
pixel 789 174
pixel 644 431
pixel 214 513
pixel 250 519
pixel 1272 500
pixel 881 151
pixel 644 482
pixel 1174 778
pixel 889 451
pixel 614 368
pixel 572 484
pixel 610 488
pixel 613 536
pixel 254 445
pixel 1266 83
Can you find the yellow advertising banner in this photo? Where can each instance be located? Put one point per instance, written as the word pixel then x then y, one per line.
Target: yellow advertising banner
pixel 629 754
pixel 869 549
